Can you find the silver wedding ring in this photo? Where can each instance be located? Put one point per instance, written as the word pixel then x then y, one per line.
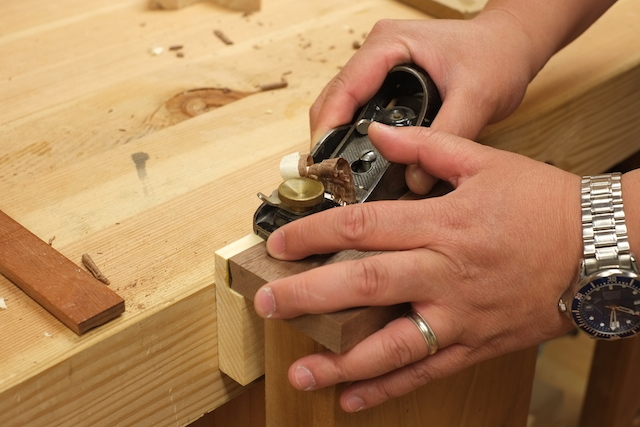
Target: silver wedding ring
pixel 426 331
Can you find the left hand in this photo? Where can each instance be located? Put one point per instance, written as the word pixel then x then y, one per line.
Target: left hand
pixel 484 265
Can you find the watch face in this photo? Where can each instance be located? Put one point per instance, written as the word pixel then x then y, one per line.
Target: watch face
pixel 609 306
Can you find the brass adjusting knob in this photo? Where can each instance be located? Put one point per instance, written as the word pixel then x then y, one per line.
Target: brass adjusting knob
pixel 301 194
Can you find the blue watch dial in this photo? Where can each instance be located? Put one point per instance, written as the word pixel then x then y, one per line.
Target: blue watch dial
pixel 608 307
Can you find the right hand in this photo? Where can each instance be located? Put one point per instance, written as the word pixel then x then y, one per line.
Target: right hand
pixel 481 67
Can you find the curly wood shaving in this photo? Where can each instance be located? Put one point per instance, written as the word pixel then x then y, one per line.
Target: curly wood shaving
pixel 93 269
pixel 335 175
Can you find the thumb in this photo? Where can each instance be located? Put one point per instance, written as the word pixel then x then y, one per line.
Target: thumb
pixel 456 116
pixel 439 154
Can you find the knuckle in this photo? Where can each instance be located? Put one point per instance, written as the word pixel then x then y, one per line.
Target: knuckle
pixel 355 223
pixel 368 278
pixel 419 374
pixel 415 375
pixel 301 295
pixel 383 26
pixel 400 350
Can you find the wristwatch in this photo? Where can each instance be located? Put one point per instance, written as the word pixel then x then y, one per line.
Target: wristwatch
pixel 605 300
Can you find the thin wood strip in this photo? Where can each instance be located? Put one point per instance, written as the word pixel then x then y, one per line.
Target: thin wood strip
pixel 68 292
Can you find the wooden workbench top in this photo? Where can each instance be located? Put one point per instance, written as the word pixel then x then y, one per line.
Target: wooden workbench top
pixel 102 152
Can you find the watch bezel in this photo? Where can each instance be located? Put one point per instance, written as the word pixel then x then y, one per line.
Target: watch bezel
pixel 585 286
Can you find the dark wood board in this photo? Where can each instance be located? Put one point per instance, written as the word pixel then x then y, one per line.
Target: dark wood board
pixel 71 294
pixel 338 331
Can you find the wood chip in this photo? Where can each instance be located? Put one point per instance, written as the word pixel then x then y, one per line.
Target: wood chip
pixel 3 304
pixel 223 37
pixel 93 269
pixel 273 86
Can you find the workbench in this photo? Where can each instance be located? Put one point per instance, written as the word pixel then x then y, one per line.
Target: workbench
pixel 140 137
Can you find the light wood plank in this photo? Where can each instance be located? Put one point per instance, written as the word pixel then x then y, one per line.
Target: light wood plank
pixel 240 329
pixel 67 171
pixel 449 9
pixel 79 94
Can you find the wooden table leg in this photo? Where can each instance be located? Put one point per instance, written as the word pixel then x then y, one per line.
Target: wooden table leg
pixel 613 393
pixel 496 392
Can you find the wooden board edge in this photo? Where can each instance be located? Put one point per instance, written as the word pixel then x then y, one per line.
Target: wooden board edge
pixel 240 329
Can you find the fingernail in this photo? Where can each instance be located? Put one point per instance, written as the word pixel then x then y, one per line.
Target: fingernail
pixel 381 127
pixel 304 378
pixel 418 180
pixel 265 303
pixel 355 403
pixel 319 134
pixel 275 244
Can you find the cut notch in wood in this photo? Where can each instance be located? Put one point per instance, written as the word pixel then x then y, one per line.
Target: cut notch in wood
pixel 240 329
pixel 68 292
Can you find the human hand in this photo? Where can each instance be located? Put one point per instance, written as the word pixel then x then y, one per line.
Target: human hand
pixel 481 68
pixel 485 265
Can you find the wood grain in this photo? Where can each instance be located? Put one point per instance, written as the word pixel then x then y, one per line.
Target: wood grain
pixel 240 329
pixel 614 385
pixel 242 5
pixel 66 170
pixel 173 4
pixel 449 9
pixel 74 296
pixel 492 393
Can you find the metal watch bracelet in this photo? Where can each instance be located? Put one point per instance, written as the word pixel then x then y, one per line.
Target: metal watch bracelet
pixel 604 232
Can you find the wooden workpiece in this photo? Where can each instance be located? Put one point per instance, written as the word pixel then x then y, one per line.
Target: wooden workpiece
pixel 339 331
pixel 74 296
pixel 93 152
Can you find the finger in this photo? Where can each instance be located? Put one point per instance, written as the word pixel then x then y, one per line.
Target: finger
pixel 368 393
pixel 380 280
pixel 364 226
pixel 456 116
pixel 440 154
pixel 418 181
pixel 397 345
pixel 460 116
pixel 356 84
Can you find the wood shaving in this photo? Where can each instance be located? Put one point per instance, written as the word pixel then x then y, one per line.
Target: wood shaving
pixel 223 37
pixel 273 86
pixel 156 50
pixel 3 304
pixel 335 174
pixel 93 269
